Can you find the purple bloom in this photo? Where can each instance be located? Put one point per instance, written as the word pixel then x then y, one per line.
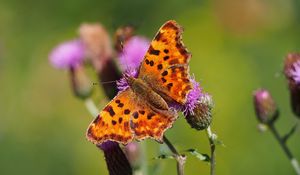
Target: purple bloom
pixel 133 52
pixel 193 97
pixel 295 73
pixel 122 83
pixel 67 54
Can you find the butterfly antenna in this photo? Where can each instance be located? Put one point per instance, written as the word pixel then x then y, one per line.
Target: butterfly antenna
pixel 105 82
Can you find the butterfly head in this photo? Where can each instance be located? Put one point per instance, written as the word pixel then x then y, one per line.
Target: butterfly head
pixel 129 79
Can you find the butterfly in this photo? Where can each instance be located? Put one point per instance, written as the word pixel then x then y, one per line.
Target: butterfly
pixel 141 111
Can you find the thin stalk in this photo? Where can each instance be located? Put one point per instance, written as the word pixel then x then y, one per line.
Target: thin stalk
pixel 212 151
pixel 91 107
pixel 144 167
pixel 179 158
pixel 285 149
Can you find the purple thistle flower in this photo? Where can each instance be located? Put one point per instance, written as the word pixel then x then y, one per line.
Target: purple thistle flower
pixel 292 74
pixel 199 114
pixel 295 73
pixel 67 54
pixel 193 97
pixel 122 84
pixel 133 52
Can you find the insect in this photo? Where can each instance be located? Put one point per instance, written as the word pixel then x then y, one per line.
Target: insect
pixel 141 111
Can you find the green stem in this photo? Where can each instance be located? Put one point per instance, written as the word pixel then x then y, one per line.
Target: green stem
pixel 91 107
pixel 285 148
pixel 179 158
pixel 144 167
pixel 211 138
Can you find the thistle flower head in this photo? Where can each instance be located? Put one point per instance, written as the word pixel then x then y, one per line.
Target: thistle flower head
pixel 292 74
pixel 201 116
pixel 295 72
pixel 265 107
pixel 122 84
pixel 133 52
pixel 291 66
pixel 193 97
pixel 67 54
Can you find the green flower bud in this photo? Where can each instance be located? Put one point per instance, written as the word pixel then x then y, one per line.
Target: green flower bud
pixel 201 116
pixel 81 84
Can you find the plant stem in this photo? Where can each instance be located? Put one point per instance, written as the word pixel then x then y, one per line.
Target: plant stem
pixel 144 167
pixel 91 107
pixel 285 148
pixel 211 138
pixel 179 158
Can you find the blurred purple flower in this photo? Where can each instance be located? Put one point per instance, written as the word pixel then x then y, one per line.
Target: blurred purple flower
pixel 122 83
pixel 133 52
pixel 295 73
pixel 193 97
pixel 67 54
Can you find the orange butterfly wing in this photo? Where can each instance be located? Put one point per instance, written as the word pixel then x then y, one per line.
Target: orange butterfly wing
pixel 113 122
pixel 165 66
pixel 126 117
pixel 148 122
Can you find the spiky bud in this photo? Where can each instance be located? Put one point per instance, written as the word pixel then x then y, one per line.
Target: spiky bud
pixel 81 84
pixel 265 107
pixel 200 117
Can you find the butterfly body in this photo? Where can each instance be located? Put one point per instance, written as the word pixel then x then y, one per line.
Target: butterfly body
pixel 141 111
pixel 146 93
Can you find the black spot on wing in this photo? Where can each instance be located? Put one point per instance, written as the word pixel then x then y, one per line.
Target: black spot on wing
pixel 126 111
pixel 169 86
pixel 135 115
pixel 151 63
pixel 110 110
pixel 120 120
pixel 120 105
pixel 159 67
pixel 150 115
pixel 164 73
pixel 152 51
pixel 142 112
pixel 166 58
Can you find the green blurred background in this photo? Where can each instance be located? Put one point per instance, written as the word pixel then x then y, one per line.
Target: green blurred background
pixel 237 46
